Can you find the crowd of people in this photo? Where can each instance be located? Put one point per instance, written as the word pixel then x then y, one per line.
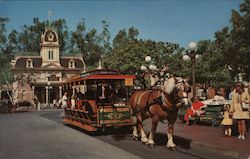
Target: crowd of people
pixel 235 112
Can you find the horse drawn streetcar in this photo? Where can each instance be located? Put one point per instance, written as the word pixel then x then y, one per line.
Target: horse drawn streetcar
pixel 99 99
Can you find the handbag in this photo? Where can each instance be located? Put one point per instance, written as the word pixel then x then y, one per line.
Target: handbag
pixel 245 106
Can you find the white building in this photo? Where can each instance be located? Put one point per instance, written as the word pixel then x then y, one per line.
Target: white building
pixel 42 75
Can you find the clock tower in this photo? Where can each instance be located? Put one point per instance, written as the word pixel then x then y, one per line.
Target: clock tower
pixel 42 76
pixel 50 48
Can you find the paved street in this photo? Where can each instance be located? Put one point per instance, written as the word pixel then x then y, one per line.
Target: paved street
pixel 29 136
pixel 38 135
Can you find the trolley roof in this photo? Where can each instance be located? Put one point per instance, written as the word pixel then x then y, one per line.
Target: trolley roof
pixel 99 74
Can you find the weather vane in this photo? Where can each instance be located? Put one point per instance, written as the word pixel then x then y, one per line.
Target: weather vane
pixel 49 15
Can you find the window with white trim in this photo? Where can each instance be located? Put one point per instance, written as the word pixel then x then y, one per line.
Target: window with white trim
pixel 50 55
pixel 29 63
pixel 24 94
pixel 71 64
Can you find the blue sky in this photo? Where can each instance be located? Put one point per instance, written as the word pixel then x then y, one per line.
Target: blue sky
pixel 179 21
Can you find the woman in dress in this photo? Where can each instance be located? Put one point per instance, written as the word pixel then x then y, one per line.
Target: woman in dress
pixel 239 114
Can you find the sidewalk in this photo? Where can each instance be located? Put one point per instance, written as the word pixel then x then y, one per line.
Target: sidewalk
pixel 207 138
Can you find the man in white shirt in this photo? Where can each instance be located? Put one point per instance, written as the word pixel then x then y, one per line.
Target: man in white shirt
pixel 64 100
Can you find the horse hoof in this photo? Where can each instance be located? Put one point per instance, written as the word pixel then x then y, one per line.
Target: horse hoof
pixel 151 146
pixel 144 143
pixel 172 148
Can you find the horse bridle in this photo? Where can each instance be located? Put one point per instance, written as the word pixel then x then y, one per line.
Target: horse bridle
pixel 177 102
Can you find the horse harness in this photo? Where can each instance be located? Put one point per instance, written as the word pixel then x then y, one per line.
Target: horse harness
pixel 155 101
pixel 161 99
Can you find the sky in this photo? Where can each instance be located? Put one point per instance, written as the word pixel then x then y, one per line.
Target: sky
pixel 177 21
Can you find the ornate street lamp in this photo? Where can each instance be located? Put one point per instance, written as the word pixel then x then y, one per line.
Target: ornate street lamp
pixel 149 68
pixel 152 67
pixel 192 55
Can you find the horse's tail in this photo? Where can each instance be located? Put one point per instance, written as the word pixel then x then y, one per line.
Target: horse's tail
pixel 135 100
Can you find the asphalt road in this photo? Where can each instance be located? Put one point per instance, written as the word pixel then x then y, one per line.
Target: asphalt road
pixel 39 135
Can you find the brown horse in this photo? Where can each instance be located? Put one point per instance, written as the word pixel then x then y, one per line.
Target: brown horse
pixel 159 104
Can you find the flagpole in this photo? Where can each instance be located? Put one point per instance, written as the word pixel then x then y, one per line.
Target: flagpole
pixel 49 14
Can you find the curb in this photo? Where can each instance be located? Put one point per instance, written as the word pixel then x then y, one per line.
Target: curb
pixel 198 145
pixel 218 150
pixel 183 142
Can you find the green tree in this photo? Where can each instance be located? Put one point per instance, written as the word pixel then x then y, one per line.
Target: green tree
pixel 13 44
pixel 105 38
pixel 5 71
pixel 211 68
pixel 77 39
pixel 3 38
pixel 240 39
pixel 120 39
pixel 6 75
pixel 94 51
pixel 86 43
pixel 29 38
pixel 60 26
pixel 4 56
pixel 128 52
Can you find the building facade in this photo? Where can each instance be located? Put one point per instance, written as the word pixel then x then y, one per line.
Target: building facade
pixel 40 77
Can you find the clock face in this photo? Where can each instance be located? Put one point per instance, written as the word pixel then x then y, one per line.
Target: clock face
pixel 50 36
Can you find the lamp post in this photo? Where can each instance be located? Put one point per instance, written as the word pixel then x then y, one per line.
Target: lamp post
pixel 149 68
pixel 192 55
pixel 49 87
pixel 152 67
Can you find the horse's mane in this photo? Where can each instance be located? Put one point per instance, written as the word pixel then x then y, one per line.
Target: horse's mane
pixel 153 80
pixel 169 85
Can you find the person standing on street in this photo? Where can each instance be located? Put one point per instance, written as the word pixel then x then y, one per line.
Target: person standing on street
pixel 64 100
pixel 230 93
pixel 227 121
pixel 239 114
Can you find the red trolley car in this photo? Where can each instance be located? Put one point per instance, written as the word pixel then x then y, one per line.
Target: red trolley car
pixel 98 99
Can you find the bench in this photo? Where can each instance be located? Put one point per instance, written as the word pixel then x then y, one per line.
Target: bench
pixel 212 115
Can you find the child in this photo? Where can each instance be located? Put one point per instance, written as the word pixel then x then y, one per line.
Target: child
pixel 227 120
pixel 190 112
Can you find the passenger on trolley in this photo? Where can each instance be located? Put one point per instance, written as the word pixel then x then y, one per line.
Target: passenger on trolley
pixel 105 92
pixel 73 101
pixel 120 92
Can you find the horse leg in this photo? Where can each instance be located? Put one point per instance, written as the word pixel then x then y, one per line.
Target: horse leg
pixel 170 143
pixel 144 138
pixel 135 132
pixel 151 143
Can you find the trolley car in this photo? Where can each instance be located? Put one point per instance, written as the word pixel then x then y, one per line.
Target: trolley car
pixel 98 99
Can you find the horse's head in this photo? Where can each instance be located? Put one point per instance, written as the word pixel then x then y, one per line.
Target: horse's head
pixel 178 88
pixel 182 90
